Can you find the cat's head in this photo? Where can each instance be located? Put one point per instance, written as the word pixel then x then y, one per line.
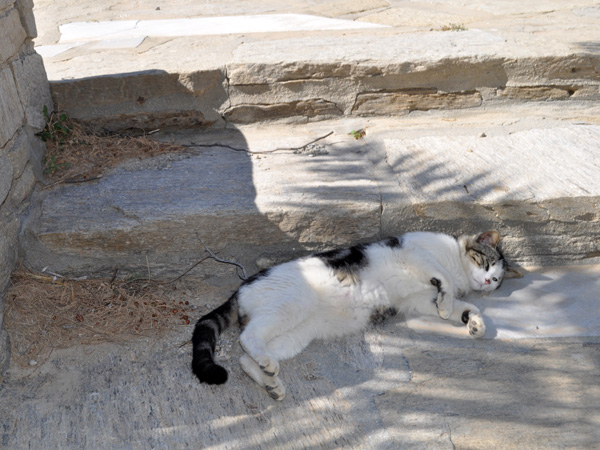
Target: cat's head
pixel 484 263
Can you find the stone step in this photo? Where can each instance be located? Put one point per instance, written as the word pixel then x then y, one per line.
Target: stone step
pixel 530 171
pixel 184 64
pixel 326 76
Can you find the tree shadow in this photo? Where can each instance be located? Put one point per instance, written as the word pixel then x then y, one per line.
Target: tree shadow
pixel 387 388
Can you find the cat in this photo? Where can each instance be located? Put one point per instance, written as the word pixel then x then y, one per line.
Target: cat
pixel 334 293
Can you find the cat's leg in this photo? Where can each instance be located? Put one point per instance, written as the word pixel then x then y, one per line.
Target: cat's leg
pixel 445 295
pixel 282 346
pixel 431 272
pixel 258 362
pixel 271 384
pixel 469 315
pixel 254 340
pixel 462 313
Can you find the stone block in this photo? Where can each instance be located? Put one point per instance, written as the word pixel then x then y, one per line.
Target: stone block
pixel 538 93
pixel 11 111
pixel 33 88
pixel 4 349
pixel 25 8
pixel 311 109
pixel 22 187
pixel 387 103
pixel 17 152
pixel 6 4
pixel 12 35
pixel 9 230
pixel 157 97
pixel 6 177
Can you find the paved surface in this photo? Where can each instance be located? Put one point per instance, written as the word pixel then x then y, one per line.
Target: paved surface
pixel 533 178
pixel 517 83
pixel 423 56
pixel 388 388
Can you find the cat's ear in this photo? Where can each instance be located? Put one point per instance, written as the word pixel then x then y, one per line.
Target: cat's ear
pixel 490 238
pixel 509 272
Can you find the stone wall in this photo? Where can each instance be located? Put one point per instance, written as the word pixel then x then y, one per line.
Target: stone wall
pixel 24 91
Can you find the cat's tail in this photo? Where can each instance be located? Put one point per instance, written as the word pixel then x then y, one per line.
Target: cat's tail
pixel 204 340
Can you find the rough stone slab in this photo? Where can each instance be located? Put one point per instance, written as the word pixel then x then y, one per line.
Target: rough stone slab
pixel 385 388
pixel 34 91
pixel 201 26
pixel 549 302
pixel 528 399
pixel 145 99
pixel 6 177
pixel 418 100
pixel 536 165
pixel 25 8
pixel 6 4
pixel 9 246
pixel 4 351
pixel 11 111
pixel 17 152
pixel 12 34
pixel 157 215
pixel 375 73
pixel 464 55
pixel 537 186
pixel 22 187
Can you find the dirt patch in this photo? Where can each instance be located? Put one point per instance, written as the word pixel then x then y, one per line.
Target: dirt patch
pixel 77 153
pixel 43 313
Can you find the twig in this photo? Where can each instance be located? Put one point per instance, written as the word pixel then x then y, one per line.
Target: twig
pixel 216 144
pixel 148 267
pixel 81 180
pixel 188 270
pixel 305 145
pixel 224 261
pixel 114 277
pixel 281 149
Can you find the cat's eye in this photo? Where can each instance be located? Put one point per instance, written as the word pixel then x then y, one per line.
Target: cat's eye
pixel 494 279
pixel 487 266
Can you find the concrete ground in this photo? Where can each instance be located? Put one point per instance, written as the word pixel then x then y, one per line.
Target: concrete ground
pixel 394 386
pixel 531 73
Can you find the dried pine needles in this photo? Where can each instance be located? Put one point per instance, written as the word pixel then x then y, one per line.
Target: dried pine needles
pixel 42 313
pixel 75 154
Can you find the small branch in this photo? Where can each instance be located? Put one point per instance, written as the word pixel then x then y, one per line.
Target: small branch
pixel 302 147
pixel 216 144
pixel 281 149
pixel 188 270
pixel 81 180
pixel 224 261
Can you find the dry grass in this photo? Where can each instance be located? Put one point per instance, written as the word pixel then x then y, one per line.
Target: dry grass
pixel 77 154
pixel 42 313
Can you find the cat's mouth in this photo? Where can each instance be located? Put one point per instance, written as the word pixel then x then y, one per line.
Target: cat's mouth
pixel 481 286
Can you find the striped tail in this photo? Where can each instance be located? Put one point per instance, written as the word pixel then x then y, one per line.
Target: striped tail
pixel 204 340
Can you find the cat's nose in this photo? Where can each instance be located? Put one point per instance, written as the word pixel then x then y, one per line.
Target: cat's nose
pixel 487 281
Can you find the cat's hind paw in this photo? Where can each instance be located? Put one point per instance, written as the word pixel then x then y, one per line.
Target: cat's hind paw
pixel 474 322
pixel 275 389
pixel 268 365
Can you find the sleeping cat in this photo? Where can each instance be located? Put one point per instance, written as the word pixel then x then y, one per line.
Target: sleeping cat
pixel 336 292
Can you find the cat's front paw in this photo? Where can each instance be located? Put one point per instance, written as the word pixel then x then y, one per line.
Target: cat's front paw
pixel 444 310
pixel 474 322
pixel 442 302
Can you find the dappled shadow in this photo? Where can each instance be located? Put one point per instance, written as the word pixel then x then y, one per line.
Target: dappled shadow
pixel 592 47
pixel 388 388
